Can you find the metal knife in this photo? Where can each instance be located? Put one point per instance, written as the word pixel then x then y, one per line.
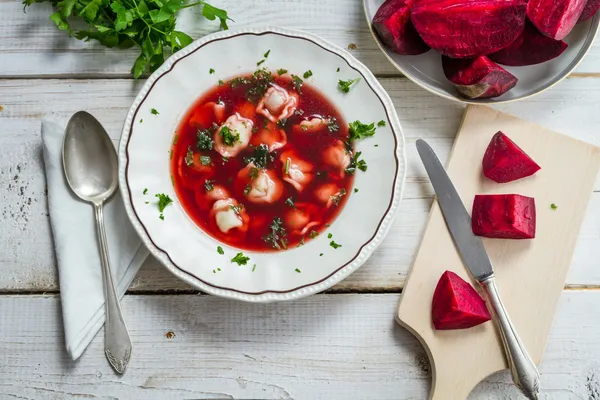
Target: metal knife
pixel 524 372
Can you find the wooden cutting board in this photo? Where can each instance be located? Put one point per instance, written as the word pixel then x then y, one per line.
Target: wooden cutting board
pixel 530 273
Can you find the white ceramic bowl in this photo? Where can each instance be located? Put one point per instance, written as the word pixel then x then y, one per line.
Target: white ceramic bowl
pixel 426 69
pixel 185 249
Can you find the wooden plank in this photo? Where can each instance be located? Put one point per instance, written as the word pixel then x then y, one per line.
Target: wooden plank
pixel 30 44
pixel 323 347
pixel 27 261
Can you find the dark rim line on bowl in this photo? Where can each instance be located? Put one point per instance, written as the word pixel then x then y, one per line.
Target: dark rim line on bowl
pixel 264 291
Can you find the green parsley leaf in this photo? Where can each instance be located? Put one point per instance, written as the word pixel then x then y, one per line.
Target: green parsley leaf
pixel 145 191
pixel 253 173
pixel 211 13
pixel 329 236
pixel 205 160
pixel 297 83
pixel 161 217
pixel 334 244
pixel 267 53
pixel 247 189
pixel 381 123
pixel 260 62
pixel 297 270
pixel 355 162
pixel 282 71
pixel 204 140
pixel 277 236
pixel 163 201
pixel 176 138
pixel 141 120
pixel 290 202
pixel 154 111
pixel 336 198
pixel 261 157
pixel 355 190
pixel 221 83
pixel 287 166
pixel 189 157
pixel 313 234
pixel 553 206
pixel 307 74
pixel 220 250
pixel 230 137
pixel 358 130
pixel 240 259
pixel 338 69
pixel 209 185
pixel 320 254
pixel 344 86
pixel 253 267
pixel 211 71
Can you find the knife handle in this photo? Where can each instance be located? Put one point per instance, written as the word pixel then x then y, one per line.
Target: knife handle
pixel 524 372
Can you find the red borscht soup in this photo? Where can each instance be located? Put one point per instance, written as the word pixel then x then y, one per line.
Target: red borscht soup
pixel 263 162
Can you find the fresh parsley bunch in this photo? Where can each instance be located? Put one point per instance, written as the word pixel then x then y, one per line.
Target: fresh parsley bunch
pixel 148 24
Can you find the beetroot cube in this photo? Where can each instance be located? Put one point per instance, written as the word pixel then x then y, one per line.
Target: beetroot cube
pixel 394 27
pixel 555 18
pixel 590 9
pixel 504 216
pixel 478 78
pixel 456 304
pixel 504 161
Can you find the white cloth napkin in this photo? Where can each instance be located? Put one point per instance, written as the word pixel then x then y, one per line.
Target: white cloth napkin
pixel 77 252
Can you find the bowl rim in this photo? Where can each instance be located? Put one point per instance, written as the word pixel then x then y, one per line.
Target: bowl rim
pixel 364 250
pixel 590 38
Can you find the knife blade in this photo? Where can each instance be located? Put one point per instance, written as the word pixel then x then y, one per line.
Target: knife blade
pixel 524 372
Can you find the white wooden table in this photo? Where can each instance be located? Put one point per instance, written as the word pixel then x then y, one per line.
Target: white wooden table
pixel 343 344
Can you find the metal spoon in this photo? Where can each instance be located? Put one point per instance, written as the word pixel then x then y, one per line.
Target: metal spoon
pixel 90 164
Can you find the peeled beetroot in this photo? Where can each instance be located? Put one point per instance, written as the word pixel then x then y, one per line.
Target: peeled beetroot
pixel 555 18
pixel 467 28
pixel 530 48
pixel 590 9
pixel 478 78
pixel 504 216
pixel 504 161
pixel 394 27
pixel 456 305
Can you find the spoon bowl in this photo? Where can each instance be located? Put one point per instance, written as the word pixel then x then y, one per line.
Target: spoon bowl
pixel 89 159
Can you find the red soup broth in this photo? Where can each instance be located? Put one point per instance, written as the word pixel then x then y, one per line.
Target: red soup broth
pixel 205 180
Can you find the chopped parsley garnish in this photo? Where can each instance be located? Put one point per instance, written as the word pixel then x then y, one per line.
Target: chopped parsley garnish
pixel 261 156
pixel 332 124
pixel 253 173
pixel 307 74
pixel 338 69
pixel 301 243
pixel 145 192
pixel 260 83
pixel 297 82
pixel 176 138
pixel 205 160
pixel 240 259
pixel 220 250
pixel 355 162
pixel 553 206
pixel 141 120
pixel 282 122
pixel 290 202
pixel 313 234
pixel 209 185
pixel 334 244
pixel 221 83
pixel 170 154
pixel 336 198
pixel 247 189
pixel 230 137
pixel 303 127
pixel 147 202
pixel 204 140
pixel 321 254
pixel 267 53
pixel 345 86
pixel 287 166
pixel 260 62
pixel 277 236
pixel 189 157
pixel 211 71
pixel 236 209
pixel 329 236
pixel 162 217
pixel 154 111
pixel 282 71
pixel 328 225
pixel 376 145
pixel 163 201
pixel 381 123
pixel 253 267
pixel 297 270
pixel 358 130
pixel 355 190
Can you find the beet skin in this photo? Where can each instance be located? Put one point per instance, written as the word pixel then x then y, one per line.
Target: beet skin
pixel 590 9
pixel 530 48
pixel 456 304
pixel 394 27
pixel 478 78
pixel 504 216
pixel 468 28
pixel 504 161
pixel 555 18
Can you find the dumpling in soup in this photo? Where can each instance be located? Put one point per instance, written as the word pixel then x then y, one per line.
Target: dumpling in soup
pixel 206 198
pixel 211 110
pixel 229 215
pixel 310 125
pixel 337 157
pixel 271 135
pixel 259 185
pixel 277 104
pixel 296 171
pixel 302 218
pixel 329 194
pixel 233 136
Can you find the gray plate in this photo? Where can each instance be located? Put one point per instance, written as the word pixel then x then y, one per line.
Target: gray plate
pixel 426 69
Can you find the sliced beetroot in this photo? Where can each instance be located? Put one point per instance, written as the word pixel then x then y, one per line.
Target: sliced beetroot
pixel 394 27
pixel 467 28
pixel 504 161
pixel 555 18
pixel 456 304
pixel 504 216
pixel 530 48
pixel 590 9
pixel 478 78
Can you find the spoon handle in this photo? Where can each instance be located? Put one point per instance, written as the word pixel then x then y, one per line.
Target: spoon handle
pixel 117 343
